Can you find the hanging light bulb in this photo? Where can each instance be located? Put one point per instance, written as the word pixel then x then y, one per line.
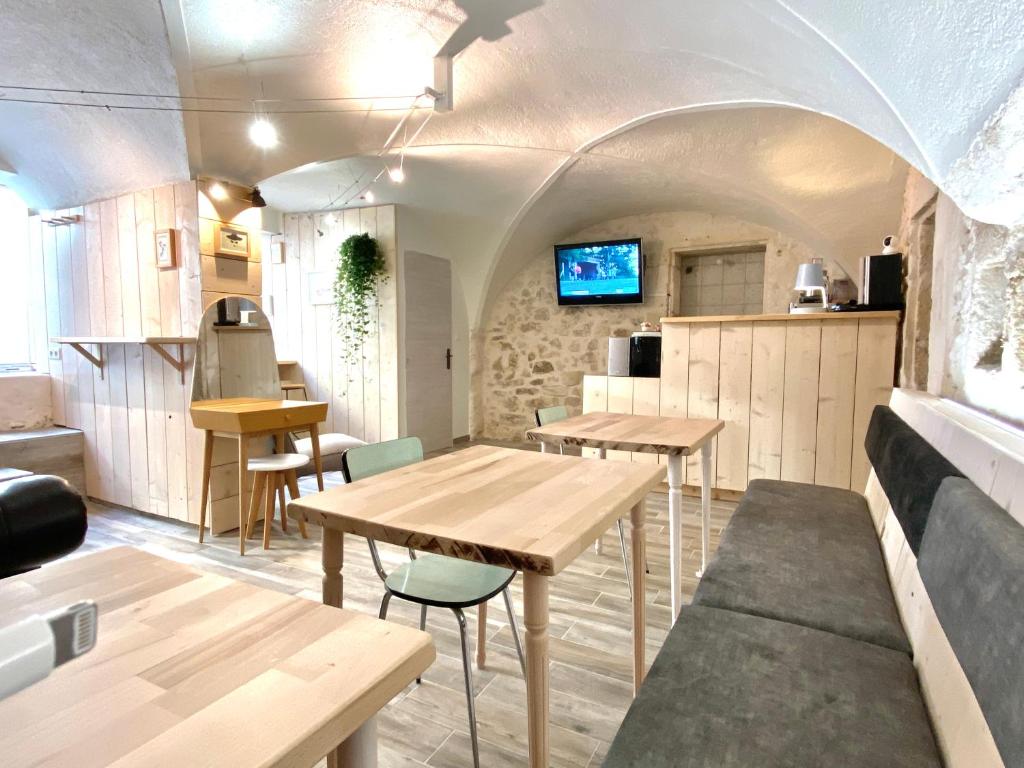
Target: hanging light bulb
pixel 396 174
pixel 262 133
pixel 369 196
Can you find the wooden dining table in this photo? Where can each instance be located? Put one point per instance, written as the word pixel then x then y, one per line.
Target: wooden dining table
pixel 246 418
pixel 196 669
pixel 667 435
pixel 523 510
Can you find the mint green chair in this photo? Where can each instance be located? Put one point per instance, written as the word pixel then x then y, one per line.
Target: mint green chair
pixel 555 413
pixel 433 580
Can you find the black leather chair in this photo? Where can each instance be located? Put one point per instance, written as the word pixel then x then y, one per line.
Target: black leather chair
pixel 42 518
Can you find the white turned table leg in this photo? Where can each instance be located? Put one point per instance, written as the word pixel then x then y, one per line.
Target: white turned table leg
pixel 705 504
pixel 599 544
pixel 544 447
pixel 675 530
pixel 359 750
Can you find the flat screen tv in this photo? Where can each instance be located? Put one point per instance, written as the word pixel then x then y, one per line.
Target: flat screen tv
pixel 606 272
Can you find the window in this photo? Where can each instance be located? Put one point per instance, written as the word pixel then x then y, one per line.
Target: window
pixel 719 281
pixel 15 340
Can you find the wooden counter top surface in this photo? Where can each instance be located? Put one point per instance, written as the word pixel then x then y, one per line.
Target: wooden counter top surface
pixel 893 314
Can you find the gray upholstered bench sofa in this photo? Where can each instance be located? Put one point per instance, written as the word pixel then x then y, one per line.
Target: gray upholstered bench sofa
pixel 793 652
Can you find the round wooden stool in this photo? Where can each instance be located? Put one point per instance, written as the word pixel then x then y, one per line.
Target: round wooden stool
pixel 269 480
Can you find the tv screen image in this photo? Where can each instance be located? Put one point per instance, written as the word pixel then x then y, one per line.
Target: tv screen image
pixel 608 272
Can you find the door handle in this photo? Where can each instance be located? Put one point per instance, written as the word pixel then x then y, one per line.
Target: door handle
pixel 448 359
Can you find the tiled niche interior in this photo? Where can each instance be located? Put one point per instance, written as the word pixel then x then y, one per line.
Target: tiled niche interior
pixel 730 283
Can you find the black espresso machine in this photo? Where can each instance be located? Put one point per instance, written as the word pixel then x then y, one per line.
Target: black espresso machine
pixel 645 354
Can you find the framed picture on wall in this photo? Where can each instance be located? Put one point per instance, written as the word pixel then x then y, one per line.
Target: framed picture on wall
pixel 230 241
pixel 164 241
pixel 320 288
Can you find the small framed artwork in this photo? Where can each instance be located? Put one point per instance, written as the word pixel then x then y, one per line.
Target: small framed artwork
pixel 166 250
pixel 320 288
pixel 230 241
pixel 277 252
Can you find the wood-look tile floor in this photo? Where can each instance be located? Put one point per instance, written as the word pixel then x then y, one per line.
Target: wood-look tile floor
pixel 591 649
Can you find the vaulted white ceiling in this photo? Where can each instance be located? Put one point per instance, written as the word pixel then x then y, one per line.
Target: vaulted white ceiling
pixel 564 110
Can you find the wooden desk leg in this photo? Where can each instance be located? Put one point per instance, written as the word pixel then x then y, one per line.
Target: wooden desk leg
pixel 481 635
pixel 639 545
pixel 243 489
pixel 535 609
pixel 207 461
pixel 332 557
pixel 705 504
pixel 599 544
pixel 357 751
pixel 675 531
pixel 314 439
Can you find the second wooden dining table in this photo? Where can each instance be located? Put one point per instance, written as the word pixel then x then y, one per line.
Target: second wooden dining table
pixel 523 510
pixel 670 436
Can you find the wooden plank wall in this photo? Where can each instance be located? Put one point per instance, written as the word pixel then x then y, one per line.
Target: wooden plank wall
pixel 100 279
pixel 796 396
pixel 363 396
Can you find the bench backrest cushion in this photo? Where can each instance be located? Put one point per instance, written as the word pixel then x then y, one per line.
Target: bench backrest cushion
pixel 972 565
pixel 908 468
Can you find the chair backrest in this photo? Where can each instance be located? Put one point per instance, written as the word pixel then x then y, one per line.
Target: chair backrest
pixel 551 414
pixel 373 459
pixel 367 460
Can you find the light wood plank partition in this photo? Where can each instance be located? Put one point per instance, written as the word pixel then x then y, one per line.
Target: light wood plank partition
pixel 795 392
pixel 362 396
pixel 100 280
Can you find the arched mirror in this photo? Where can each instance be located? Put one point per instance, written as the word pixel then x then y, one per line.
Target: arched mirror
pixel 235 353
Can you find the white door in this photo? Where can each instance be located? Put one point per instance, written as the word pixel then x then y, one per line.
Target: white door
pixel 428 343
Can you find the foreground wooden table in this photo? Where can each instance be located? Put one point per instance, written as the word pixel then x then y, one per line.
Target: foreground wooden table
pixel 519 509
pixel 667 435
pixel 193 669
pixel 246 418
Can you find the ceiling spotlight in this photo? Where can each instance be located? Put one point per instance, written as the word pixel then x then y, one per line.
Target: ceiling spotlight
pixel 396 174
pixel 257 199
pixel 217 191
pixel 368 196
pixel 262 133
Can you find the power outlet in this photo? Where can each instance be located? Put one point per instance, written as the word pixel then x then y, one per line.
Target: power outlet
pixel 54 354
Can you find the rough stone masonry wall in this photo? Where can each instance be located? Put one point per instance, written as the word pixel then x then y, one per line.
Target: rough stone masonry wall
pixel 975 342
pixel 534 353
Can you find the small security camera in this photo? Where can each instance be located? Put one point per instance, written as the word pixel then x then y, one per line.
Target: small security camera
pixel 887 245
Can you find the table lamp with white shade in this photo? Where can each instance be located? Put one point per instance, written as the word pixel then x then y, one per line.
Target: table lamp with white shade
pixel 812 284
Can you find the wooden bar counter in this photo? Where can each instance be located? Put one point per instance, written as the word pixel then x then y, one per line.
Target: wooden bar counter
pixel 795 392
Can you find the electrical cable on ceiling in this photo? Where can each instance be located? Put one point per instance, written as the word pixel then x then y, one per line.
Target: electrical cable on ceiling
pixel 296 100
pixel 139 107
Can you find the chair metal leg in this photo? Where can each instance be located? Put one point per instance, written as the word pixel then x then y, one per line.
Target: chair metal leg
pixel 515 629
pixel 625 559
pixel 467 668
pixel 423 628
pixel 384 605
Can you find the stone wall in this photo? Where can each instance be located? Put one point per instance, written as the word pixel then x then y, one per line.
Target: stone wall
pixel 964 326
pixel 533 353
pixel 25 402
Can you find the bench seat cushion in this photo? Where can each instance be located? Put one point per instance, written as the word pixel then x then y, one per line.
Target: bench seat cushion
pixel 805 554
pixel 730 690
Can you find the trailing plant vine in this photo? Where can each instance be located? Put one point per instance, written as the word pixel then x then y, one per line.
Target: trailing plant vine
pixel 360 266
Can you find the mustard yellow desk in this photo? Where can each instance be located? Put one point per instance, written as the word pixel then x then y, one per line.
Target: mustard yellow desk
pixel 245 418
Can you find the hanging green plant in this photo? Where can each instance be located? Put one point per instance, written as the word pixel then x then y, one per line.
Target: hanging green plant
pixel 361 266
